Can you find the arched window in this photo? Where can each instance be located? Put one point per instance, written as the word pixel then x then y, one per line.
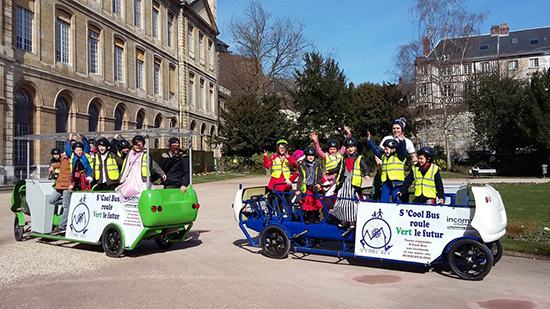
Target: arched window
pixel 22 125
pixel 61 119
pixel 119 116
pixel 193 127
pixel 203 131
pixel 211 137
pixel 172 123
pixel 93 112
pixel 158 120
pixel 139 120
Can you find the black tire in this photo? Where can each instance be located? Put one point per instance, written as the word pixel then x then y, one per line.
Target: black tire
pixel 17 230
pixel 275 243
pixel 163 243
pixel 112 242
pixel 497 249
pixel 470 259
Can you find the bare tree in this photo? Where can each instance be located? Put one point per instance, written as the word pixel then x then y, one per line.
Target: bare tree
pixel 274 46
pixel 446 27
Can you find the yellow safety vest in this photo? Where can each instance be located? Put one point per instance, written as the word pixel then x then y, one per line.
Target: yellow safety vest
pixel 425 185
pixel 87 156
pixel 392 168
pixel 110 165
pixel 331 162
pixel 304 187
pixel 143 164
pixel 279 167
pixel 356 179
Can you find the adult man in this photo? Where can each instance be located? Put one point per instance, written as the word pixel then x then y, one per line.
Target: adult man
pixel 175 164
pixel 398 128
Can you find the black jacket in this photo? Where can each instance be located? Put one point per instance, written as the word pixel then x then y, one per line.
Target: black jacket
pixel 176 169
pixel 440 192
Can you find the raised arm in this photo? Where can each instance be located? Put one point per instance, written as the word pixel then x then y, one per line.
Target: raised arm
pixel 318 149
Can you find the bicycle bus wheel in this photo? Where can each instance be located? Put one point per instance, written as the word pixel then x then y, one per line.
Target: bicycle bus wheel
pixel 111 241
pixel 17 230
pixel 274 242
pixel 470 259
pixel 497 249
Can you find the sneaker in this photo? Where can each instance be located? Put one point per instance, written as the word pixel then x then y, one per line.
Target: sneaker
pixel 58 231
pixel 352 225
pixel 343 224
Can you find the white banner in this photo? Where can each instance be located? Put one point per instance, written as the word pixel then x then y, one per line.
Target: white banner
pixel 90 213
pixel 405 232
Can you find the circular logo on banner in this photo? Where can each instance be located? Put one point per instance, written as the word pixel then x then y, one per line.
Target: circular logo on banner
pixel 80 218
pixel 376 233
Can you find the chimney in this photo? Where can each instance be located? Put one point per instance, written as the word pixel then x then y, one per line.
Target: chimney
pixel 504 30
pixel 495 29
pixel 426 46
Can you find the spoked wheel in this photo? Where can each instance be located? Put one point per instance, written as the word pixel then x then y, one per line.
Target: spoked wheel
pixel 111 241
pixel 18 230
pixel 163 243
pixel 275 243
pixel 497 249
pixel 470 259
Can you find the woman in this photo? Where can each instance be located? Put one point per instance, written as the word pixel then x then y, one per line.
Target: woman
pixel 133 178
pixel 398 129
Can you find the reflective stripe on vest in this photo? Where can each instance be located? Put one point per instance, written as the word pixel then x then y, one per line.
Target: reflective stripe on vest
pixel 90 161
pixel 331 162
pixel 425 185
pixel 392 168
pixel 111 166
pixel 279 167
pixel 356 179
pixel 143 164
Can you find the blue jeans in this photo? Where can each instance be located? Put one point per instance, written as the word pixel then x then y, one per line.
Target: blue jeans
pixel 389 189
pixel 66 203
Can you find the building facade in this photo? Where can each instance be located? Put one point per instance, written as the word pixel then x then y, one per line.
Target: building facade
pixel 444 73
pixel 101 65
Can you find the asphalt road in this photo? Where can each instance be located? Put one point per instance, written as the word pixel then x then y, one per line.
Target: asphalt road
pixel 216 269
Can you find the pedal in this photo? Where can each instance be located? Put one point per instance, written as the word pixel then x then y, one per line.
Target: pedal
pixel 346 233
pixel 300 234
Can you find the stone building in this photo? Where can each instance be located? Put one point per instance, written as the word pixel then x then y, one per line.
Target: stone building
pixel 443 74
pixel 99 65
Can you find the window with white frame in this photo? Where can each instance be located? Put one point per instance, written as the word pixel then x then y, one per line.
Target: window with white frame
pixel 169 29
pixel 447 70
pixel 117 7
pixel 534 62
pixel 201 48
pixel 191 90
pixel 156 77
pixel 140 66
pixel 137 13
pixel 423 90
pixel 62 36
pixel 485 66
pixel 190 43
pixel 119 60
pixel 24 28
pixel 466 68
pixel 93 50
pixel 512 65
pixel 447 90
pixel 155 20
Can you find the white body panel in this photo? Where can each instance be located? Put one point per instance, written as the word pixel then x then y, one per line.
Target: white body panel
pixel 490 219
pixel 37 194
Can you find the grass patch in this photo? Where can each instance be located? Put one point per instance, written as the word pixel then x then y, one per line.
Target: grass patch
pixel 525 246
pixel 222 176
pixel 449 175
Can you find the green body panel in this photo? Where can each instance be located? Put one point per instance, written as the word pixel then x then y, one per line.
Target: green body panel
pixel 56 219
pixel 17 196
pixel 20 218
pixel 62 238
pixel 176 208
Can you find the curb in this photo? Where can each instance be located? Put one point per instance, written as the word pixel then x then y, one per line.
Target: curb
pixel 526 255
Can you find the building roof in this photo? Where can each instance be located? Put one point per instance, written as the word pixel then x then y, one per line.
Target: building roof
pixel 513 44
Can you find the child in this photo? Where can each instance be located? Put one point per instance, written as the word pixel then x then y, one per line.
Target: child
pixel 393 163
pixel 280 165
pixel 330 158
pixel 80 164
pixel 62 191
pixel 120 147
pixel 427 180
pixel 351 171
pixel 133 178
pixel 106 166
pixel 56 158
pixel 309 182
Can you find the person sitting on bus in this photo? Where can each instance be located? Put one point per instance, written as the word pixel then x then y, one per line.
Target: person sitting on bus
pixel 62 191
pixel 310 175
pixel 134 172
pixel 428 185
pixel 175 164
pixel 81 165
pixel 393 164
pixel 120 147
pixel 56 158
pixel 106 166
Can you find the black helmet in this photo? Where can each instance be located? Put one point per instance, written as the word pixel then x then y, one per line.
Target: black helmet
pixel 123 144
pixel 91 141
pixel 103 142
pixel 56 151
pixel 391 143
pixel 350 141
pixel 426 151
pixel 138 138
pixel 332 143
pixel 309 151
pixel 77 144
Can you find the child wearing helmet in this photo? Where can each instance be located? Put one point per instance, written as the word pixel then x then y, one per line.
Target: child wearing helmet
pixel 56 159
pixel 309 175
pixel 280 164
pixel 120 147
pixel 331 158
pixel 80 163
pixel 350 171
pixel 106 166
pixel 428 185
pixel 393 163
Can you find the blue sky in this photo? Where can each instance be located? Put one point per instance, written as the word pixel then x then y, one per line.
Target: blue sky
pixel 363 35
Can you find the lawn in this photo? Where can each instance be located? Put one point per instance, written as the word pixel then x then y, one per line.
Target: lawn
pixel 528 211
pixel 222 176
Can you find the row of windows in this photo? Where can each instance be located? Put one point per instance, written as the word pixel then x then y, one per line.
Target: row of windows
pixel 200 46
pixel 485 66
pixel 206 100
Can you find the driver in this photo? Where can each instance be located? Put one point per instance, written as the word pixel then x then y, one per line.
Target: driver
pixel 175 164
